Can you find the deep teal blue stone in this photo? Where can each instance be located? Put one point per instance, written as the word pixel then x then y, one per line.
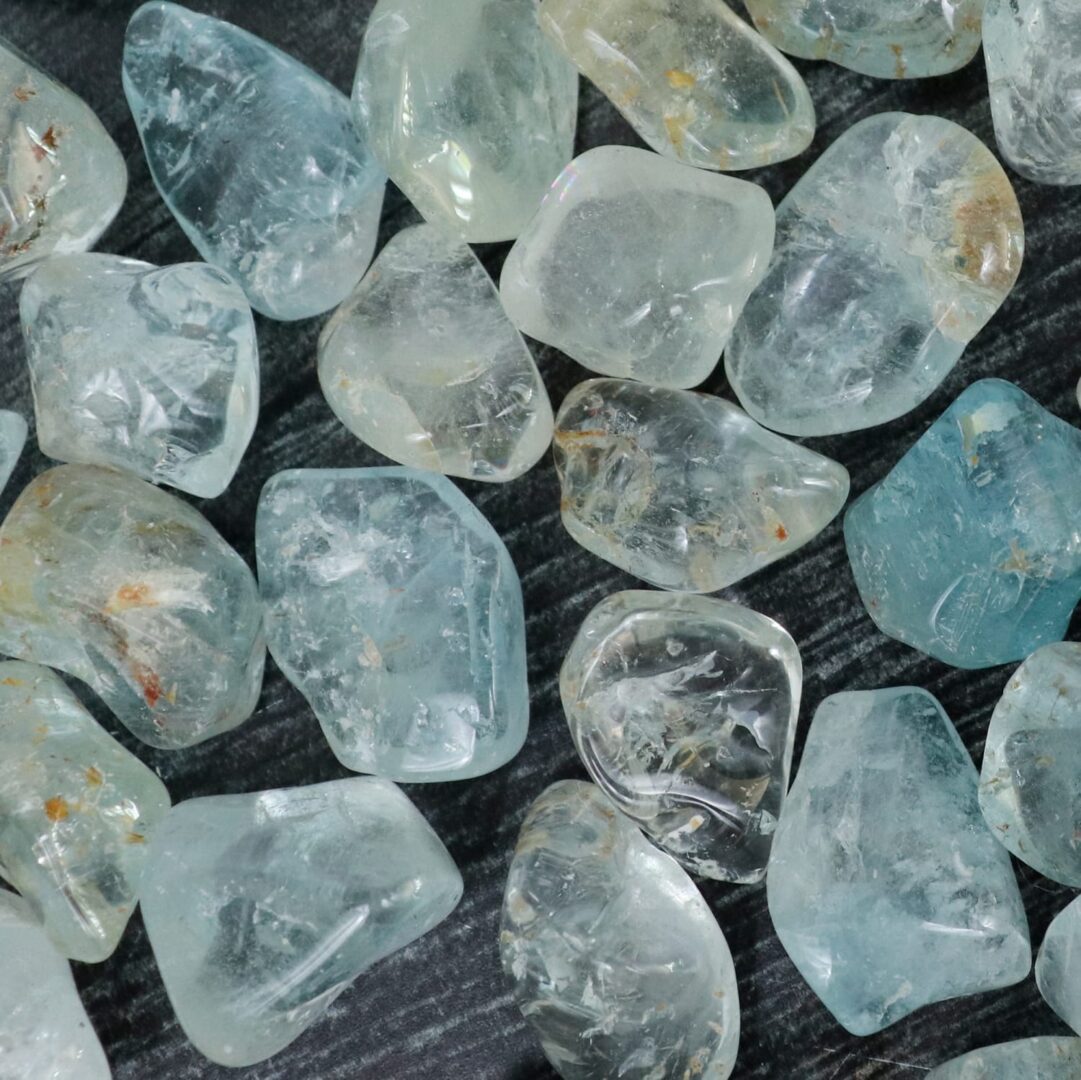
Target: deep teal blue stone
pixel 968 550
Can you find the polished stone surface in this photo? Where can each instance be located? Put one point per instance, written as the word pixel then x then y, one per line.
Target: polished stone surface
pixel 683 708
pixel 131 590
pixel 262 908
pixel 1041 1058
pixel 967 549
pixel 45 1033
pixel 614 957
pixel 152 370
pixel 893 251
pixel 469 108
pixel 1058 965
pixel 692 78
pixel 256 156
pixel 684 490
pixel 638 267
pixel 395 608
pixel 12 440
pixel 1029 792
pixel 62 179
pixel 1033 53
pixel 909 39
pixel 423 365
pixel 884 885
pixel 76 813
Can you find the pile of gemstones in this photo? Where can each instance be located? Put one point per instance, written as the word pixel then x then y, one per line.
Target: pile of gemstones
pixel 386 597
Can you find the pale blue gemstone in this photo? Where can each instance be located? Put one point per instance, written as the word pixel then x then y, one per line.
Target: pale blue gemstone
pixel 262 908
pixel 884 884
pixel 1044 1058
pixel 12 440
pixel 256 156
pixel 968 549
pixel 394 607
pixel 1058 965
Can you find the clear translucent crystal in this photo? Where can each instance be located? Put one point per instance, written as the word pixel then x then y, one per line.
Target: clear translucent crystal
pixel 256 156
pixel 151 370
pixel 395 608
pixel 46 1033
pixel 12 440
pixel 692 78
pixel 76 813
pixel 638 267
pixel 884 885
pixel 1058 965
pixel 261 909
pixel 1033 49
pixel 900 39
pixel 967 549
pixel 130 589
pixel 469 108
pixel 422 363
pixel 62 178
pixel 893 251
pixel 614 956
pixel 683 709
pixel 1045 1058
pixel 684 490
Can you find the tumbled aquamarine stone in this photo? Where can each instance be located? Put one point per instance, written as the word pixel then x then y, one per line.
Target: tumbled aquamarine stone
pixel 682 489
pixel 1031 761
pixel 893 251
pixel 1043 1058
pixel 967 549
pixel 691 77
pixel 76 811
pixel 151 370
pixel 1033 49
pixel 46 1034
pixel 12 440
pixel 131 590
pixel 638 267
pixel 683 709
pixel 884 885
pixel 616 960
pixel 394 607
pixel 62 178
pixel 423 365
pixel 1058 965
pixel 262 908
pixel 256 156
pixel 468 107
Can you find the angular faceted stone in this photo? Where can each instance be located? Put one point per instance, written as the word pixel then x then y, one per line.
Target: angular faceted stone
pixel 262 908
pixel 155 371
pixel 616 960
pixel 423 365
pixel 62 179
pixel 1044 1058
pixel 893 251
pixel 46 1033
pixel 12 441
pixel 256 156
pixel 131 590
pixel 683 709
pixel 1031 760
pixel 1033 48
pixel 76 812
pixel 469 108
pixel 684 490
pixel 967 549
pixel 691 77
pixel 638 267
pixel 396 610
pixel 884 885
pixel 1058 966
pixel 907 40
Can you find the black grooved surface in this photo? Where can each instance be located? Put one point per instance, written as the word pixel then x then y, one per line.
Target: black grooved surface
pixel 440 1008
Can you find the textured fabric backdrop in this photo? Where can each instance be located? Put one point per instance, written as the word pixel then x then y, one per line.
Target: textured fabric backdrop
pixel 441 1008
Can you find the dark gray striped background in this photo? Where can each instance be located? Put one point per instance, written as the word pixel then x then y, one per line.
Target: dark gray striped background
pixel 441 1009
